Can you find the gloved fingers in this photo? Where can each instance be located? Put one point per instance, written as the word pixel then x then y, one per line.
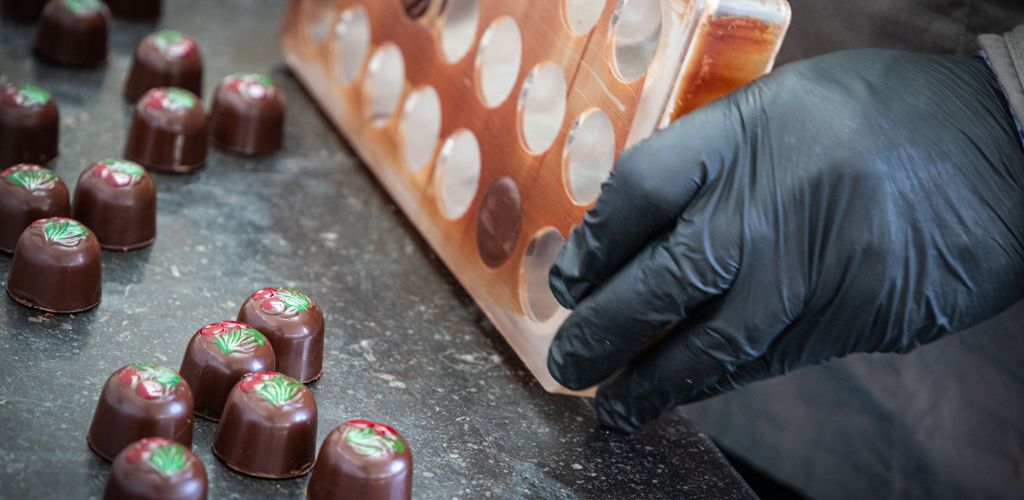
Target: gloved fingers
pixel 660 285
pixel 652 184
pixel 747 373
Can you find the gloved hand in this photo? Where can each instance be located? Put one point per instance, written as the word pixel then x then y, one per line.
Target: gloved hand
pixel 861 201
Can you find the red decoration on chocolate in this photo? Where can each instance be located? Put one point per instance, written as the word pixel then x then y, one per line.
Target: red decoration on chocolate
pixel 268 427
pixel 217 357
pixel 168 131
pixel 247 115
pixel 117 199
pixel 362 459
pixel 294 324
pixel 141 400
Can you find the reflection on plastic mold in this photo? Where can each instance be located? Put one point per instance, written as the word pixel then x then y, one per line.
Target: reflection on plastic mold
pixel 498 60
pixel 385 80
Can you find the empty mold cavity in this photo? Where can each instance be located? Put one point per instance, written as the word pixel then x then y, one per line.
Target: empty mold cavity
pixel 385 80
pixel 420 127
pixel 582 15
pixel 498 60
pixel 499 221
pixel 458 28
pixel 534 291
pixel 318 23
pixel 589 155
pixel 458 173
pixel 636 30
pixel 415 8
pixel 542 106
pixel 351 43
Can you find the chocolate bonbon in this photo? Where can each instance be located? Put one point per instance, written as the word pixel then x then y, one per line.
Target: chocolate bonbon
pixel 362 459
pixel 56 267
pixel 247 115
pixel 499 222
pixel 168 131
pixel 73 32
pixel 28 193
pixel 294 324
pixel 141 400
pixel 156 469
pixel 166 58
pixel 117 200
pixel 29 125
pixel 268 428
pixel 135 10
pixel 217 357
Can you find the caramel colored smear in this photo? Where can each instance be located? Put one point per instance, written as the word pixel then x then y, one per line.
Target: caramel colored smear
pixel 729 52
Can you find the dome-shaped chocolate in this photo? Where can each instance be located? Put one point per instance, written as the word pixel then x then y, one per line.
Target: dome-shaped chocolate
pixel 56 267
pixel 168 131
pixel 247 115
pixel 362 459
pixel 155 468
pixel 294 324
pixel 165 59
pixel 29 125
pixel 73 32
pixel 28 193
pixel 117 200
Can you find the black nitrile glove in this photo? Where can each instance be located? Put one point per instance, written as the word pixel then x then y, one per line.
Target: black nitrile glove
pixel 857 202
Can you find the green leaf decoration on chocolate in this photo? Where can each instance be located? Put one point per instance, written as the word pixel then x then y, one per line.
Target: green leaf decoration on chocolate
pixel 279 390
pixel 168 459
pixel 264 80
pixel 33 179
pixel 125 167
pixel 240 340
pixel 64 231
pixel 32 95
pixel 368 442
pixel 180 98
pixel 158 374
pixel 82 6
pixel 168 37
pixel 294 299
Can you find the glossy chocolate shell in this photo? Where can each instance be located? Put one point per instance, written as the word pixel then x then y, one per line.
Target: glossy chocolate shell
pixel 117 200
pixel 362 460
pixel 28 193
pixel 56 267
pixel 247 116
pixel 218 356
pixel 29 125
pixel 268 428
pixel 294 324
pixel 73 32
pixel 165 59
pixel 141 400
pixel 156 469
pixel 168 131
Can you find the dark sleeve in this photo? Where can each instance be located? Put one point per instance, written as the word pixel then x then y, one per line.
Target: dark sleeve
pixel 1005 54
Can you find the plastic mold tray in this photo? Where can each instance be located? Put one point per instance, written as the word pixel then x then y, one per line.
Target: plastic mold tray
pixel 492 123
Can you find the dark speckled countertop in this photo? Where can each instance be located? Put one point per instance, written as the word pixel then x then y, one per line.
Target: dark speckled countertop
pixel 405 344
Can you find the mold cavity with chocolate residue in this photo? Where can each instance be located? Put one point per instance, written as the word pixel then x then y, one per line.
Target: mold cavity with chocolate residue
pixel 499 222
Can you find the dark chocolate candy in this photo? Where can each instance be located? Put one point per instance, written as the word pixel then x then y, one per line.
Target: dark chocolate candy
pixel 155 468
pixel 135 10
pixel 165 59
pixel 117 200
pixel 499 222
pixel 247 115
pixel 141 400
pixel 73 32
pixel 168 131
pixel 268 428
pixel 22 10
pixel 217 357
pixel 29 125
pixel 362 460
pixel 56 267
pixel 28 193
pixel 294 324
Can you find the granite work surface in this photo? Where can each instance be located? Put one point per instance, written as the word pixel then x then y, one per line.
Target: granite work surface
pixel 405 345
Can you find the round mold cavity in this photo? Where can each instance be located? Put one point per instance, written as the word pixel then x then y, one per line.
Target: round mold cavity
pixel 542 107
pixel 459 20
pixel 498 60
pixel 420 127
pixel 318 21
pixel 582 15
pixel 385 80
pixel 534 291
pixel 351 43
pixel 458 173
pixel 636 31
pixel 589 155
pixel 499 222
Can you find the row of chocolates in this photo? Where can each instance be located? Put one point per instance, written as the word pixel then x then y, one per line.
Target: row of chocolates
pixel 248 375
